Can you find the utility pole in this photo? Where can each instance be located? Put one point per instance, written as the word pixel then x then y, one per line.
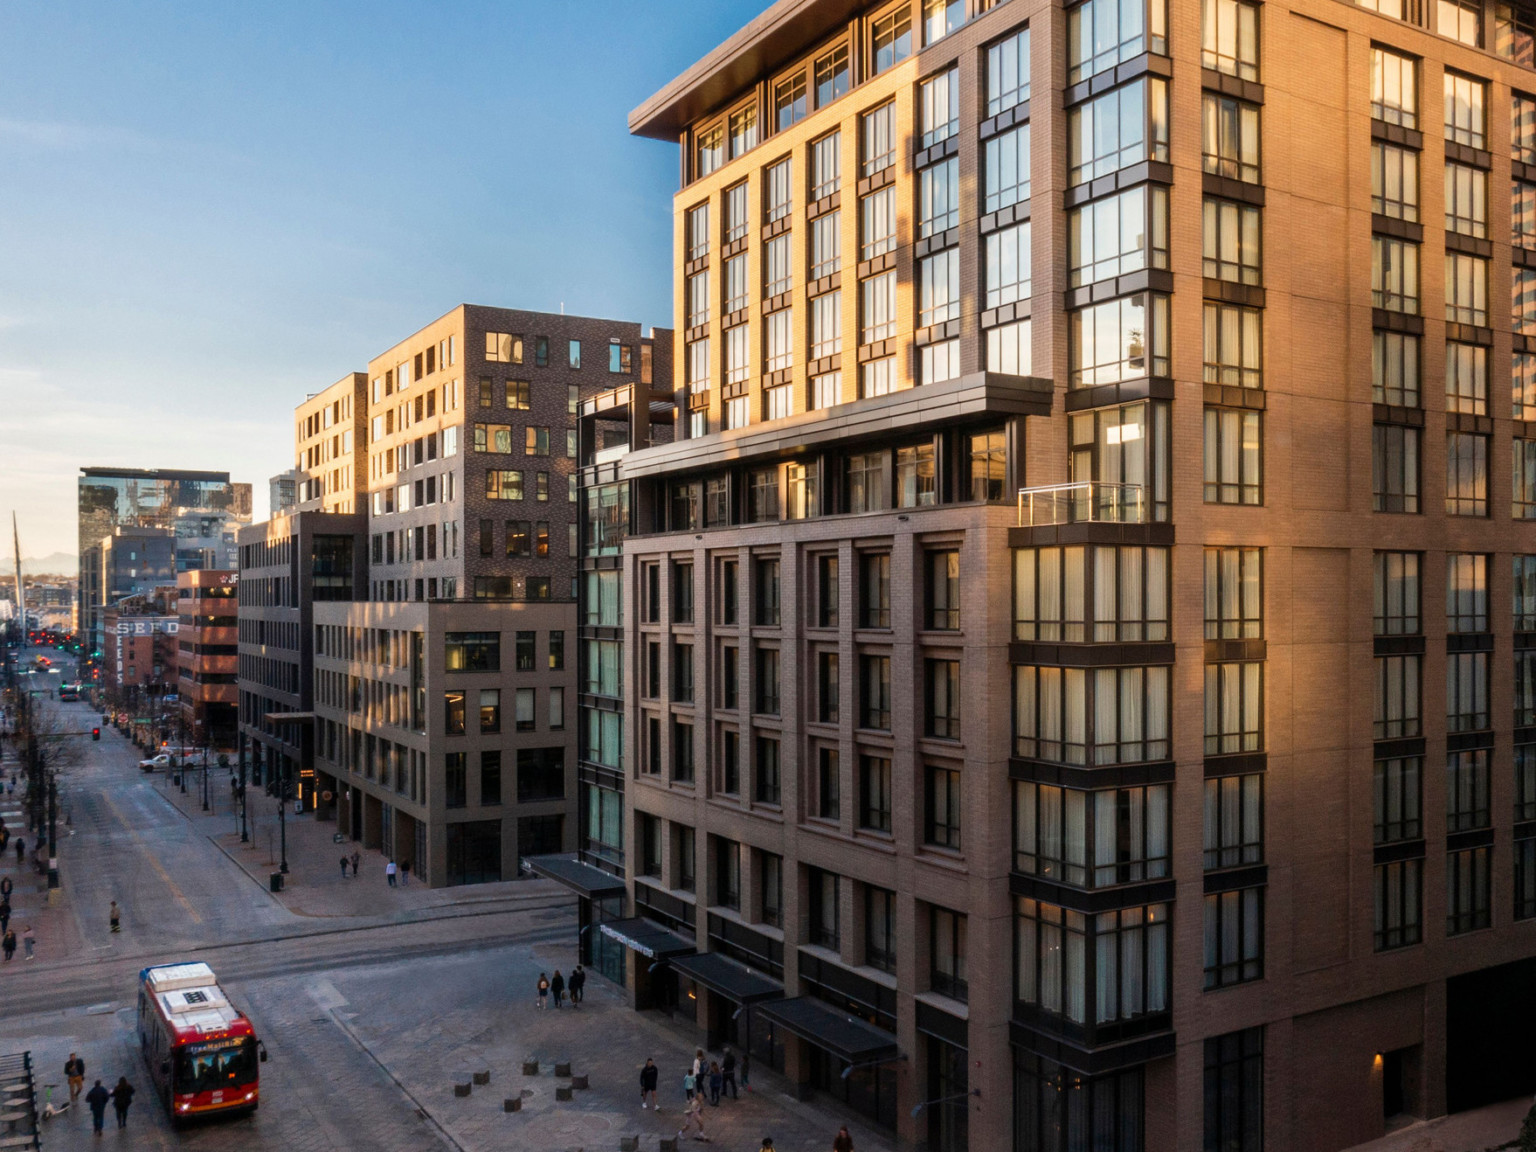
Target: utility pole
pixel 21 596
pixel 53 831
pixel 244 835
pixel 282 812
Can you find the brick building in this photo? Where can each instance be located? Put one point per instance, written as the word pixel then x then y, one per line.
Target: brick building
pixel 329 431
pixel 207 656
pixel 1034 697
pixel 139 667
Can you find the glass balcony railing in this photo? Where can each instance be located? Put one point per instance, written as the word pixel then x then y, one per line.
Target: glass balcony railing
pixel 1088 502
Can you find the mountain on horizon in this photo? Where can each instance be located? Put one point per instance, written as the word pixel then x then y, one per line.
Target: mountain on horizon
pixel 53 564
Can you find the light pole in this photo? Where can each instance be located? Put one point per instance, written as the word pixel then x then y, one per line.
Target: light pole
pixel 244 834
pixel 282 812
pixel 205 777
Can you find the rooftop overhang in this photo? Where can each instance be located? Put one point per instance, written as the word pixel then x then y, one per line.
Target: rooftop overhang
pixel 785 31
pixel 850 1039
pixel 584 879
pixel 879 418
pixel 649 939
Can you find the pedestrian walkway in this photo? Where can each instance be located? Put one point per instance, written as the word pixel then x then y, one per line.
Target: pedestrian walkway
pixel 314 885
pixel 53 928
pixel 1477 1130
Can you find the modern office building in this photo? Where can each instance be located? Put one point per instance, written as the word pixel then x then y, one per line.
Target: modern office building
pixel 330 428
pixel 128 561
pixel 207 656
pixel 140 668
pixel 456 667
pixel 283 491
pixel 1041 691
pixel 203 510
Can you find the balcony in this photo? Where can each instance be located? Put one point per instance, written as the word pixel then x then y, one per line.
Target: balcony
pixel 1088 502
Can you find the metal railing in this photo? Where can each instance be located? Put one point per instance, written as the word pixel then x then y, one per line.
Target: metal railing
pixel 1090 501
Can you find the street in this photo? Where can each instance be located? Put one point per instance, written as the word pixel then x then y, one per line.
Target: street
pixel 372 1001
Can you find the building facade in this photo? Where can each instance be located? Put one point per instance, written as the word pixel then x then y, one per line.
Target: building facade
pixel 128 561
pixel 207 656
pixel 1041 690
pixel 329 429
pixel 140 671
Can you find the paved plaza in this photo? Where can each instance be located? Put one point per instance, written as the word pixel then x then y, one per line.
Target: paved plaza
pixel 373 1001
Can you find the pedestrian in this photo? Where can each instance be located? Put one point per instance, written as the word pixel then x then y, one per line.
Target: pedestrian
pixel 28 941
pixel 5 913
pixel 698 1065
pixel 97 1098
pixel 543 988
pixel 8 943
pixel 715 1077
pixel 357 861
pixel 6 887
pixel 389 873
pixel 115 917
pixel 694 1114
pixel 767 1144
pixel 690 1085
pixel 21 850
pixel 577 985
pixel 405 873
pixel 728 1073
pixel 344 863
pixel 74 1072
pixel 122 1096
pixel 557 987
pixel 746 1069
pixel 843 1141
pixel 648 1075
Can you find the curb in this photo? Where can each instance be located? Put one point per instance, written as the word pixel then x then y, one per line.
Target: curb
pixel 421 1110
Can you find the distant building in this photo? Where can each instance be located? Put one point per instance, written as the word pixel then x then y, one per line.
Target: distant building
pixel 283 491
pixel 140 668
pixel 207 655
pixel 330 432
pixel 128 561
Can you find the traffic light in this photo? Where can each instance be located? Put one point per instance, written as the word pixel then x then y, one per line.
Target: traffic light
pixel 95 733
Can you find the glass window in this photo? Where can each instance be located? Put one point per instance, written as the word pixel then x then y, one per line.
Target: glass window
pixel 1525 594
pixel 1394 88
pixel 1395 369
pixel 1234 937
pixel 1397 697
pixel 1122 127
pixel 832 76
pixel 1118 235
pixel 1466 592
pixel 1397 799
pixel 1233 456
pixel 938 197
pixel 1466 378
pixel 1233 345
pixel 878 132
pixel 822 886
pixel 1524 476
pixel 1466 474
pixel 1008 72
pixel 1109 342
pixel 1466 692
pixel 868 482
pixel 892 39
pixel 1466 289
pixel 1395 274
pixel 875 792
pixel 1398 912
pixel 875 590
pixel 789 101
pixel 736 212
pixel 1104 593
pixel 1234 1092
pixel 878 302
pixel 1466 200
pixel 737 293
pixel 1464 123
pixel 947 953
pixel 698 231
pixel 943 712
pixel 1230 137
pixel 743 126
pixel 1124 445
pixel 1394 181
pixel 827 325
pixel 940 18
pixel 1467 891
pixel 1103 33
pixel 1005 163
pixel 879 928
pixel 944 591
pixel 1234 821
pixel 1091 839
pixel 1523 304
pixel 1523 214
pixel 1514 34
pixel 1460 20
pixel 939 286
pixel 1466 790
pixel 1396 594
pixel 1091 716
pixel 1233 250
pixel 778 274
pixel 709 151
pixel 1234 593
pixel 1229 40
pixel 1522 137
pixel 916 478
pixel 826 165
pixel 778 339
pixel 1008 349
pixel 939 362
pixel 779 196
pixel 1234 707
pixel 877 218
pixel 1394 468
pixel 939 101
pixel 698 299
pixel 1121 958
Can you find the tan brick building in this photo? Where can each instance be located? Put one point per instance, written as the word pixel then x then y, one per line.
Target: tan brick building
pixel 1033 696
pixel 329 430
pixel 208 652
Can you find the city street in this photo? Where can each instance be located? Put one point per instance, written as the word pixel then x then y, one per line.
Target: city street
pixel 372 1001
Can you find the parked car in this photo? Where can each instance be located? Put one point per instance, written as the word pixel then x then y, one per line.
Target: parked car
pixel 156 762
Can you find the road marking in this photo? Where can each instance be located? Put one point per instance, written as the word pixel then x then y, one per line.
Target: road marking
pixel 154 861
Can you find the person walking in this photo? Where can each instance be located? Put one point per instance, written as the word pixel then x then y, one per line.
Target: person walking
pixel 344 863
pixel 843 1142
pixel 557 987
pixel 405 873
pixel 690 1086
pixel 714 1083
pixel 648 1075
pixel 357 861
pixel 577 984
pixel 115 917
pixel 5 913
pixel 28 941
pixel 390 870
pixel 543 988
pixel 122 1096
pixel 694 1114
pixel 97 1098
pixel 21 850
pixel 6 888
pixel 728 1073
pixel 767 1145
pixel 8 943
pixel 74 1072
pixel 699 1067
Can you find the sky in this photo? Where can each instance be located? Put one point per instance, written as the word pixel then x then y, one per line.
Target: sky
pixel 210 210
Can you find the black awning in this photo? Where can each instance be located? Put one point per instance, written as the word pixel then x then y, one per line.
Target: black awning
pixel 732 980
pixel 579 877
pixel 846 1037
pixel 647 938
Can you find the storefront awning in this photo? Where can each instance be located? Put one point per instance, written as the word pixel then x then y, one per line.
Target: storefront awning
pixel 582 878
pixel 846 1037
pixel 647 938
pixel 732 980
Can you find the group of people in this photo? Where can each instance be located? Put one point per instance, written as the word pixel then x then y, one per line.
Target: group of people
pixel 119 1096
pixel 7 933
pixel 557 987
pixel 713 1077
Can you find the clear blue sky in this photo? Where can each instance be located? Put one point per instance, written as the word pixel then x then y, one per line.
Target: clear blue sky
pixel 208 210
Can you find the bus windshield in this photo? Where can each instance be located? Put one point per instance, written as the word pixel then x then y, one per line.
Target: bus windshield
pixel 211 1067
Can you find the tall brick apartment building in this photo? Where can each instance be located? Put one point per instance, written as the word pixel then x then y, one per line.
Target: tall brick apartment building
pixel 1034 666
pixel 207 644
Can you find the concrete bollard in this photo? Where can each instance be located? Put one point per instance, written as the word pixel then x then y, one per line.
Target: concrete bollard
pixel 562 1069
pixel 579 1082
pixel 461 1089
pixel 483 1078
pixel 530 1067
pixel 562 1093
pixel 515 1104
pixel 629 1144
pixel 667 1144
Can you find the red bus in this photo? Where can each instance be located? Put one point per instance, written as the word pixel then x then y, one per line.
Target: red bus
pixel 202 1052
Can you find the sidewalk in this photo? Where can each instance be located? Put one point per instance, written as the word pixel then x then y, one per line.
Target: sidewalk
pixel 314 885
pixel 53 925
pixel 1481 1129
